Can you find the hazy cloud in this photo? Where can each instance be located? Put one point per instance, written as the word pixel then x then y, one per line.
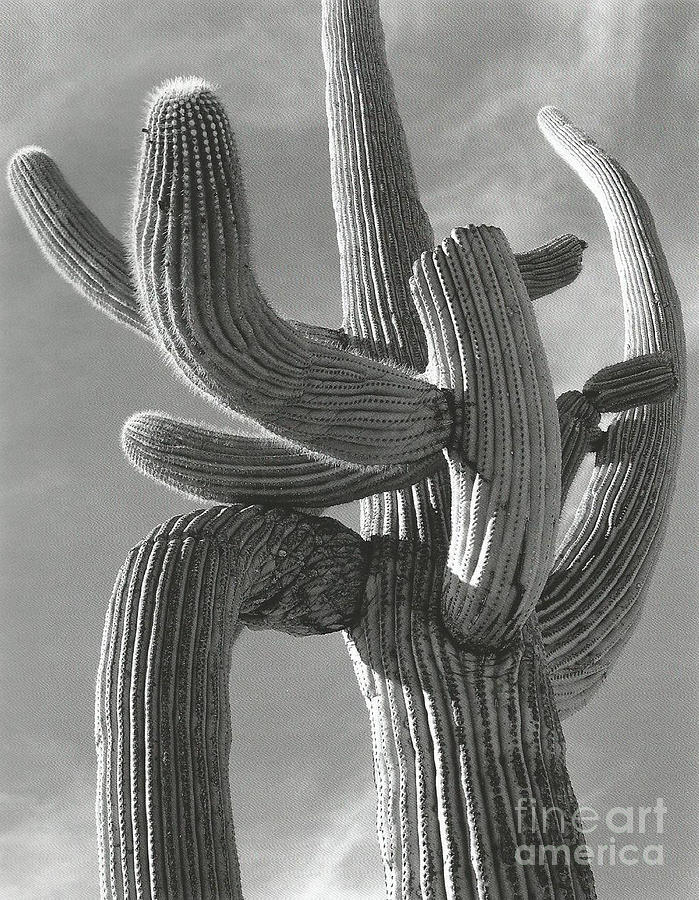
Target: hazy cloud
pixel 50 851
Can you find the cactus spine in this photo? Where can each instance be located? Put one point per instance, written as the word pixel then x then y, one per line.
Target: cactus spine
pixel 471 634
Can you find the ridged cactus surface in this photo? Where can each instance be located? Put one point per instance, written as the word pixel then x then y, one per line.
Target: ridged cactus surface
pixel 471 633
pixel 163 726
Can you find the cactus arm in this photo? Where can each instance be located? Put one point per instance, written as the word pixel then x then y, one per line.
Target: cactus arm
pixel 504 473
pixel 603 566
pixel 642 379
pixel 552 266
pixel 162 717
pixel 73 239
pixel 231 468
pixel 96 263
pixel 192 262
pixel 636 381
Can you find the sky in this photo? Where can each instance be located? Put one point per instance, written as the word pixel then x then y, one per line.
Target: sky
pixel 470 77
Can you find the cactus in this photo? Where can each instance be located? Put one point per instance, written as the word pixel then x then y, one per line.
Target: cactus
pixel 471 633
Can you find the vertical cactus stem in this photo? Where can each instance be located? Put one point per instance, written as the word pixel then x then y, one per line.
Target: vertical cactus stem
pixel 381 225
pixel 603 567
pixel 163 733
pixel 504 470
pixel 381 229
pixel 190 242
pixel 468 751
pixel 73 239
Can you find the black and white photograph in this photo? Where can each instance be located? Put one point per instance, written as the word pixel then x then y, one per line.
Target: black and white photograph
pixel 350 404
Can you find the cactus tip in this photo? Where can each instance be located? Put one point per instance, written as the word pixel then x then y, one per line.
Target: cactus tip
pixel 547 114
pixel 28 154
pixel 180 88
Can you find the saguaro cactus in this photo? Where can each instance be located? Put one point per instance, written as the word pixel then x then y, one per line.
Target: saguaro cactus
pixel 470 632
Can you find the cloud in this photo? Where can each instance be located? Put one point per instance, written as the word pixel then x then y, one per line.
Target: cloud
pixel 78 67
pixel 328 861
pixel 339 842
pixel 50 850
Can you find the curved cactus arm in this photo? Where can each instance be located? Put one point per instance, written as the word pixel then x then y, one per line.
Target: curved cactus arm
pixel 192 262
pixel 650 378
pixel 551 266
pixel 88 255
pixel 504 474
pixel 642 379
pixel 162 716
pixel 603 566
pixel 96 263
pixel 231 468
pixel 73 239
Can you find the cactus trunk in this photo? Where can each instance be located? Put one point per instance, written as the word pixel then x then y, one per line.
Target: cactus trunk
pixel 469 757
pixel 468 750
pixel 165 827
